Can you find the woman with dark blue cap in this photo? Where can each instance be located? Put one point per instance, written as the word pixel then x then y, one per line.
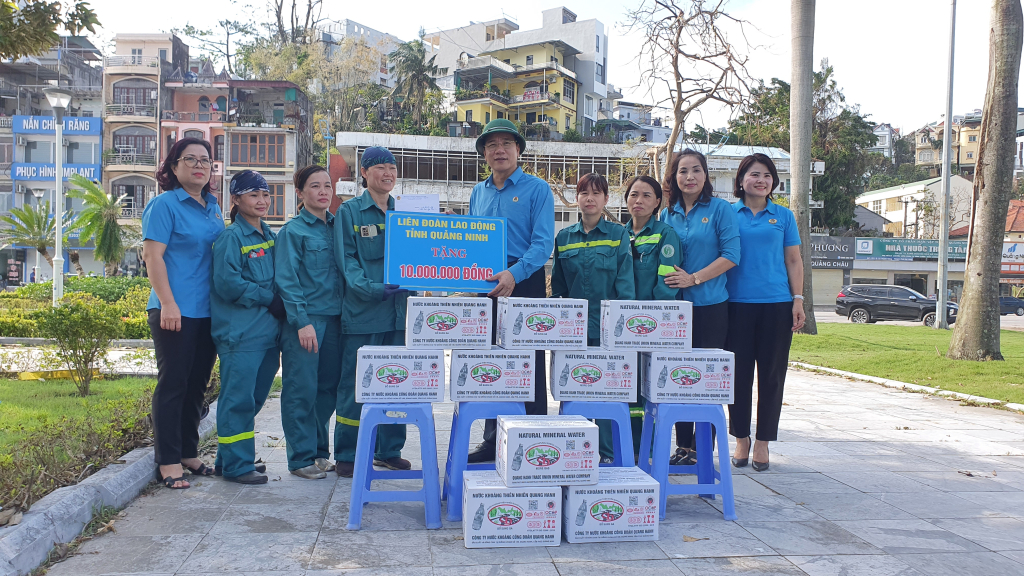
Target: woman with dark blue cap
pixel 372 313
pixel 246 314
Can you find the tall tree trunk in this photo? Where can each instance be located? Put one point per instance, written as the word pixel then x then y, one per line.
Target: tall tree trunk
pixel 73 256
pixel 976 333
pixel 46 256
pixel 110 268
pixel 801 117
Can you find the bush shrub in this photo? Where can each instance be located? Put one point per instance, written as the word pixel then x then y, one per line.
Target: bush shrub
pixel 136 327
pixel 106 289
pixel 62 451
pixel 134 302
pixel 14 325
pixel 82 327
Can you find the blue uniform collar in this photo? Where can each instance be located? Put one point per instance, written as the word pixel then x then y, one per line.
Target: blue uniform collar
pixel 649 227
pixel 514 178
pixel 308 217
pixel 366 201
pixel 247 228
pixel 700 202
pixel 770 208
pixel 182 195
pixel 602 226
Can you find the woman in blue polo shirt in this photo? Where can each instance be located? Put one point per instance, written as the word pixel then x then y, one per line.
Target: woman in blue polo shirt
pixel 765 306
pixel 178 230
pixel 711 245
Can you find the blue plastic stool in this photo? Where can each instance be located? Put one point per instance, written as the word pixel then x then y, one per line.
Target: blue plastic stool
pixel 618 413
pixel 659 420
pixel 458 447
pixel 373 415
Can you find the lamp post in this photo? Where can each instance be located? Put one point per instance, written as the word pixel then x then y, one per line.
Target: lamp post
pixel 38 193
pixel 59 100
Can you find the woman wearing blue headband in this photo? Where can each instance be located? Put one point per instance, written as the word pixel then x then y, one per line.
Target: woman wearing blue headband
pixel 246 314
pixel 373 313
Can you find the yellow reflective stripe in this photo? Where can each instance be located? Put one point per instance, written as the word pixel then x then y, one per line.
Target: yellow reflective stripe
pixel 589 244
pixel 665 270
pixel 355 227
pixel 652 239
pixel 636 412
pixel 267 244
pixel 347 421
pixel 236 437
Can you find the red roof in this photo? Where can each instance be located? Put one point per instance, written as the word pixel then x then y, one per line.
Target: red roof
pixel 1015 216
pixel 960 232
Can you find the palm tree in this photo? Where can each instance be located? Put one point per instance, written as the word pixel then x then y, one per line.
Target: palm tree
pixel 98 221
pixel 416 75
pixel 34 226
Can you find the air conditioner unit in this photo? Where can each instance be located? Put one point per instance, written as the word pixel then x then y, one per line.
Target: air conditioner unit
pixel 22 141
pixel 21 189
pixel 65 141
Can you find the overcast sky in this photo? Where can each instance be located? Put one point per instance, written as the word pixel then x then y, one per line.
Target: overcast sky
pixel 889 55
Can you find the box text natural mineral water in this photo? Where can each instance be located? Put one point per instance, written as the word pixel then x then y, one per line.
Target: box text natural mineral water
pixel 496 516
pixel 492 375
pixel 700 376
pixel 622 506
pixel 448 323
pixel 542 324
pixel 397 374
pixel 593 374
pixel 546 450
pixel 646 324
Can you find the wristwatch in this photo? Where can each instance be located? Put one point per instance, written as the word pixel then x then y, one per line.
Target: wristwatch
pixel 696 279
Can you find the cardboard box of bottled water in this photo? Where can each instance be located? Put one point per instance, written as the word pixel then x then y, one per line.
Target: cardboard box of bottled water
pixel 397 374
pixel 699 376
pixel 447 323
pixel 622 507
pixel 496 516
pixel 594 374
pixel 646 325
pixel 546 450
pixel 492 375
pixel 542 324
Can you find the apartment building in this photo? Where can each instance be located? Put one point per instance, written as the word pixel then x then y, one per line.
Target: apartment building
pixel 554 77
pixel 334 34
pixel 630 120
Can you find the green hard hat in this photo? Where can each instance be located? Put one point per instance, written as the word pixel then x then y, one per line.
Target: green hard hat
pixel 500 126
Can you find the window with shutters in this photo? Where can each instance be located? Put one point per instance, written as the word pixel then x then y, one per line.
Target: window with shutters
pixel 276 211
pixel 257 149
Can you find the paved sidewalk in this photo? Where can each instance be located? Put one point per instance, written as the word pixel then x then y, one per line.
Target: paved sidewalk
pixel 864 481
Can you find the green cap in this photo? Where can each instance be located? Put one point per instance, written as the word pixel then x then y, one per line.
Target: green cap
pixel 500 126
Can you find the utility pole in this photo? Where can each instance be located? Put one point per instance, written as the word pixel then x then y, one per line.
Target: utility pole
pixel 943 272
pixel 801 117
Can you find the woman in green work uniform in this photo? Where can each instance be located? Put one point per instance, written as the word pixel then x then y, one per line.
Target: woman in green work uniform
pixel 308 281
pixel 592 261
pixel 373 313
pixel 655 248
pixel 246 317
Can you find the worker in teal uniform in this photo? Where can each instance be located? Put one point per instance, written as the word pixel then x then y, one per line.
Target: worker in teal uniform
pixel 308 281
pixel 246 318
pixel 656 253
pixel 593 261
pixel 373 313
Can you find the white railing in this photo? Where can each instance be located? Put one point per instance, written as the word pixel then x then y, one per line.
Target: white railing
pixel 145 61
pixel 485 61
pixel 131 110
pixel 6 122
pixel 129 159
pixel 547 66
pixel 210 116
pixel 534 97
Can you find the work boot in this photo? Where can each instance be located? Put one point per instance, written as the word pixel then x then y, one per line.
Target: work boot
pixel 484 452
pixel 324 464
pixel 395 463
pixel 248 478
pixel 345 469
pixel 311 472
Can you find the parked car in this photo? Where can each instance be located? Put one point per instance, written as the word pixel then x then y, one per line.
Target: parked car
pixel 870 303
pixel 1011 305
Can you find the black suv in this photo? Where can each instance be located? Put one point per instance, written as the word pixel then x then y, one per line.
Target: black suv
pixel 1011 305
pixel 869 303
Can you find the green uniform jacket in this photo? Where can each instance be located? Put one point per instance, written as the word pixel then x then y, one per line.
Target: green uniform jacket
pixel 307 275
pixel 596 266
pixel 242 288
pixel 656 256
pixel 362 259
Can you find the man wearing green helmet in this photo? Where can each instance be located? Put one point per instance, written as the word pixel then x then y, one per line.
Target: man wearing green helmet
pixel 527 204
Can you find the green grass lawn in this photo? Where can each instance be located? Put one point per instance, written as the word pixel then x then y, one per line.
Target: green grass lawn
pixel 914 354
pixel 25 404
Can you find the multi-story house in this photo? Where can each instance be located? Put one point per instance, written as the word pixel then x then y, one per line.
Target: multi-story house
pixel 635 121
pixel 913 209
pixel 928 155
pixel 335 33
pixel 134 97
pixel 28 144
pixel 967 143
pixel 886 136
pixel 555 75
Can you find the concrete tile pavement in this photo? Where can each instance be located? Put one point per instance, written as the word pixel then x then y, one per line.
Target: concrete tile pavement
pixel 864 481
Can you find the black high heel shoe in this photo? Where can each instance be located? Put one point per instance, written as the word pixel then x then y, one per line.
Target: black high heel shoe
pixel 759 466
pixel 742 462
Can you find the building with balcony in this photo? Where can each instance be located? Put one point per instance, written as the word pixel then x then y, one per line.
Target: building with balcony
pixel 967 143
pixel 553 77
pixel 913 209
pixel 885 141
pixel 134 97
pixel 629 120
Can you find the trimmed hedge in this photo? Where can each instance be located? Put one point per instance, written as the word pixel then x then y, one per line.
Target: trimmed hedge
pixel 19 309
